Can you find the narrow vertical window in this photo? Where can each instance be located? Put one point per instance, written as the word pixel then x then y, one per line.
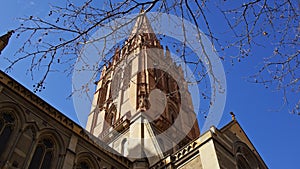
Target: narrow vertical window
pixel 83 165
pixel 127 76
pixel 102 95
pixel 242 163
pixel 43 155
pixel 245 158
pixel 124 147
pixel 6 128
pixel 116 83
pixel 172 114
pixel 110 117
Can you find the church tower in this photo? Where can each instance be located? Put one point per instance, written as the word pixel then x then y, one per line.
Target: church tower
pixel 142 109
pixel 142 106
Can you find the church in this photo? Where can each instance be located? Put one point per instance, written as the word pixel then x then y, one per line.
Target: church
pixel 141 116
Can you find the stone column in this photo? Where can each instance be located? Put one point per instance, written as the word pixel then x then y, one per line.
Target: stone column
pixel 70 153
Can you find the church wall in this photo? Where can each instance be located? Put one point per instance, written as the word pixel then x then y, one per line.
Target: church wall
pixel 237 139
pixel 215 149
pixel 194 162
pixel 33 122
pixel 229 144
pixel 33 126
pixel 225 158
pixel 117 143
pixel 33 134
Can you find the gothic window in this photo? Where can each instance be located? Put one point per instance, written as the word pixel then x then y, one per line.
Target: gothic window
pixel 86 161
pixel 7 123
pixel 152 78
pixel 83 165
pixel 172 114
pixel 242 163
pixel 116 83
pixel 124 147
pixel 127 75
pixel 159 78
pixel 23 146
pixel 110 117
pixel 43 155
pixel 176 92
pixel 102 95
pixel 167 81
pixel 172 118
pixel 245 158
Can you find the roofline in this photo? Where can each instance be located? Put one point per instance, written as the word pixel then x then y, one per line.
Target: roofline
pixel 29 96
pixel 231 123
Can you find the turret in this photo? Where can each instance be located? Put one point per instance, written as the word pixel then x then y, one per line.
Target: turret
pixel 4 40
pixel 140 96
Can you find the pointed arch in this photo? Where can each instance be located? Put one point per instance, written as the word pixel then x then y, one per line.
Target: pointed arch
pixel 172 112
pixel 116 83
pixel 24 145
pixel 43 154
pixel 245 158
pixel 11 121
pixel 124 147
pixel 103 91
pixel 17 111
pixel 47 150
pixel 110 116
pixel 7 126
pixel 85 160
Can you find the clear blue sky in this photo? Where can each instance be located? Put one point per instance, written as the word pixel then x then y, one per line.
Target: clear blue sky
pixel 273 131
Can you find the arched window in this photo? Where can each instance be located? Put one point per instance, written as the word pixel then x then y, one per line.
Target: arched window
pixel 116 83
pixel 102 95
pixel 242 163
pixel 127 75
pixel 172 118
pixel 85 160
pixel 172 113
pixel 124 147
pixel 110 117
pixel 245 158
pixel 83 165
pixel 7 123
pixel 26 138
pixel 43 155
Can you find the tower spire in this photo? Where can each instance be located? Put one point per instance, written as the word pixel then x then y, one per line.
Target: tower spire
pixel 142 25
pixel 142 10
pixel 140 97
pixel 4 40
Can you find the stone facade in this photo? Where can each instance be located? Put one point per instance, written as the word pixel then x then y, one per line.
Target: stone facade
pixel 227 148
pixel 35 135
pixel 32 122
pixel 142 84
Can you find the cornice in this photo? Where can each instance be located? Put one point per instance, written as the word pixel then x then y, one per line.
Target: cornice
pixel 32 98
